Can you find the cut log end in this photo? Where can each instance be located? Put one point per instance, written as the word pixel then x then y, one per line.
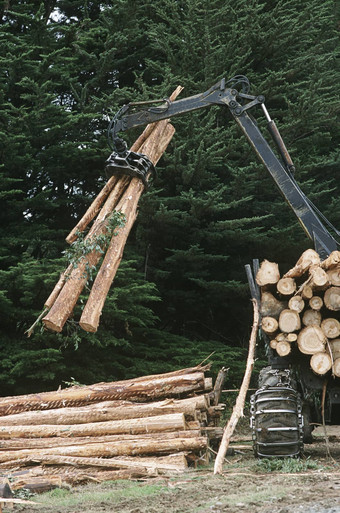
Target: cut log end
pixel 321 363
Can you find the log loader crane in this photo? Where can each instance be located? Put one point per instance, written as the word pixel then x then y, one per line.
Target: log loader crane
pixel 279 419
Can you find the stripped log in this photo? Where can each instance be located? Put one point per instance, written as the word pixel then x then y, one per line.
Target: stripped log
pixel 334 276
pixel 269 325
pixel 311 317
pixel 316 303
pixel 318 276
pixel 332 298
pixel 138 390
pixel 336 368
pixel 157 445
pixel 331 327
pixel 271 306
pixel 109 410
pixel 308 258
pixel 331 261
pixel 283 348
pixel 286 286
pixel 296 303
pixel 335 348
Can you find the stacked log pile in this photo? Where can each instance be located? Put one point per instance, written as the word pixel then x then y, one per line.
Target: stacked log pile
pixel 120 196
pixel 140 427
pixel 302 309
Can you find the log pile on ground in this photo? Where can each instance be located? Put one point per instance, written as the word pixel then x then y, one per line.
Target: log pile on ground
pixel 140 427
pixel 112 214
pixel 302 309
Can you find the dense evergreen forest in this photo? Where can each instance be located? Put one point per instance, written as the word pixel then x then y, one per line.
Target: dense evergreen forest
pixel 181 291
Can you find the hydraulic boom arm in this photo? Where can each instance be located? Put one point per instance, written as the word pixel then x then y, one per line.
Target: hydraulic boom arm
pixel 238 103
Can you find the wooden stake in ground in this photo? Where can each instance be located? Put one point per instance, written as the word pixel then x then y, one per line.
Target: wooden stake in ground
pixel 239 405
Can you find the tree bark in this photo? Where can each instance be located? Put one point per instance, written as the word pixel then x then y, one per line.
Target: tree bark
pixel 311 340
pixel 240 401
pixel 268 273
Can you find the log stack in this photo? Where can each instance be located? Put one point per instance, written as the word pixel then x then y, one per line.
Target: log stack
pixel 301 309
pixel 141 427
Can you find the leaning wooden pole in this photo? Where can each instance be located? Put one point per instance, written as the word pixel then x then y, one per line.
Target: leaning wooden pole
pixel 239 405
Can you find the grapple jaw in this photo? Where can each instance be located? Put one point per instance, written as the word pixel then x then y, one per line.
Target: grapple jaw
pixel 130 163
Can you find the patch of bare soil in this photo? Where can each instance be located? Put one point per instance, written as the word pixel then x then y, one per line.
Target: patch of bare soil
pixel 313 486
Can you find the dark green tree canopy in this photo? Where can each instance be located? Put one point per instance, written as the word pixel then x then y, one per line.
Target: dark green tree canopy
pixel 181 292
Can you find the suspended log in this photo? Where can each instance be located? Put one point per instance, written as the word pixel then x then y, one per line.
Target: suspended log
pixel 270 306
pixel 321 363
pixel 268 273
pixel 316 303
pixel 286 286
pixel 283 348
pixel 311 317
pixel 158 445
pixel 331 261
pixel 296 303
pixel 93 209
pixel 109 410
pixel 138 390
pixel 269 325
pixel 289 321
pixel 332 298
pixel 308 258
pixel 171 422
pixel 311 340
pixel 331 327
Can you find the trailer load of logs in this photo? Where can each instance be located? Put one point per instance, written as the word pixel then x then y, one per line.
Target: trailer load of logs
pixel 301 309
pixel 101 235
pixel 125 429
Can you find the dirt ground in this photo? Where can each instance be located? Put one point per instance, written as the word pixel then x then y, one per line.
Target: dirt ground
pixel 310 485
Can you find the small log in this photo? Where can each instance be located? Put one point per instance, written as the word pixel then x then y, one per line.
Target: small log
pixel 331 327
pixel 269 325
pixel 268 273
pixel 296 303
pixel 336 368
pixel 311 317
pixel 270 306
pixel 286 286
pixel 308 258
pixel 311 340
pixel 316 303
pixel 38 484
pixel 291 337
pixel 319 277
pixel 332 298
pixel 321 363
pixel 273 343
pixel 307 292
pixel 334 276
pixel 331 261
pixel 283 348
pixel 289 321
